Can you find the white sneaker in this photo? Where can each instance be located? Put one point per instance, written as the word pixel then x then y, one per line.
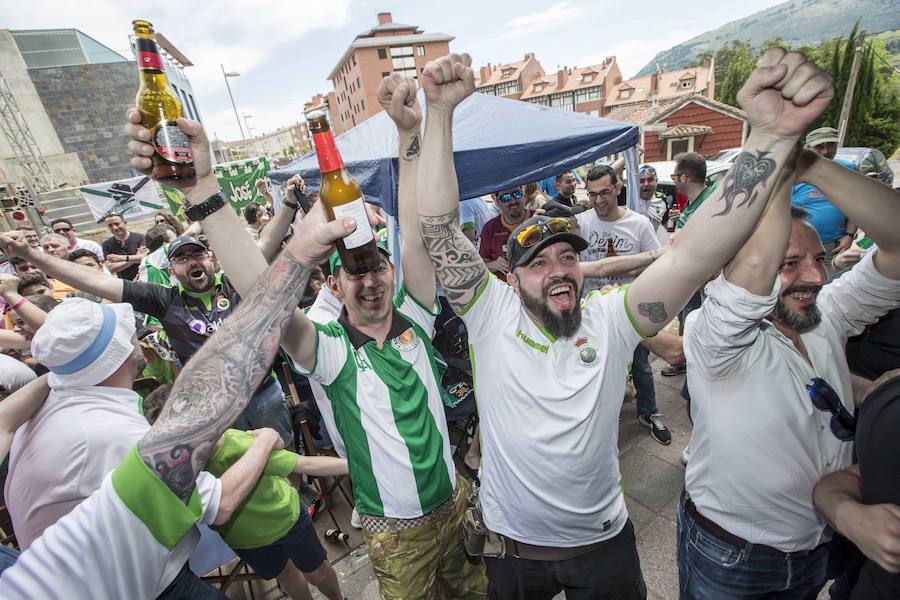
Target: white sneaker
pixel 355 520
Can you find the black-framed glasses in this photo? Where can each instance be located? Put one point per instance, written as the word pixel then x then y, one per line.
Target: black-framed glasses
pixel 826 399
pixel 510 196
pixel 607 193
pixel 183 259
pixel 62 230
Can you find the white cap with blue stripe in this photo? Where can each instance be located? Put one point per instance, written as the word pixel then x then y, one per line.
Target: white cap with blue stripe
pixel 83 342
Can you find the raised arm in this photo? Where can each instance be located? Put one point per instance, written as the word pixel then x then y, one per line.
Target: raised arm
pixel 397 95
pixel 273 233
pixel 757 263
pixel 31 314
pixel 873 206
pixel 220 378
pixel 782 97
pixel 235 250
pixel 83 278
pixel 18 407
pixel 447 82
pixel 240 478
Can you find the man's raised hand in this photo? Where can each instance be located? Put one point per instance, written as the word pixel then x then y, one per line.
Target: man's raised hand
pixel 785 94
pixel 397 95
pixel 448 81
pixel 141 150
pixel 14 243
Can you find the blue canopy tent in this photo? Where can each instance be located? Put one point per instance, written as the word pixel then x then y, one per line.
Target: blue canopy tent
pixel 497 143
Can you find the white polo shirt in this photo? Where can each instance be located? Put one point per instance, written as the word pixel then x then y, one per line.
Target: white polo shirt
pixel 549 414
pixel 759 445
pixel 129 539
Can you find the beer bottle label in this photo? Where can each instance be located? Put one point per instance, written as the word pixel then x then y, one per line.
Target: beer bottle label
pixel 356 210
pixel 171 143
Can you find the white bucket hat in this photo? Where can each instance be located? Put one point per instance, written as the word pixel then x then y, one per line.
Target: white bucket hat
pixel 83 342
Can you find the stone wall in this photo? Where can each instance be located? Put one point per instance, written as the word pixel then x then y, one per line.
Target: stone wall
pixel 87 104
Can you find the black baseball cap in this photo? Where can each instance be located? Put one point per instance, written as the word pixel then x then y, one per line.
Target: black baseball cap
pixel 181 242
pixel 518 255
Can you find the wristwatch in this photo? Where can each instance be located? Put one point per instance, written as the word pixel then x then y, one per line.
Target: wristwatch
pixel 200 211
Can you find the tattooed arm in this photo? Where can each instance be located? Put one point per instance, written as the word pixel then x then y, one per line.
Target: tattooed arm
pixel 447 82
pixel 217 382
pixel 397 94
pixel 782 97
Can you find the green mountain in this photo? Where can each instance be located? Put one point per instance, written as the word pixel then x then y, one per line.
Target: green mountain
pixel 796 22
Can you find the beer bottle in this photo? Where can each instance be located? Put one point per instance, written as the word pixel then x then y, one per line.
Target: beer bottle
pixel 610 247
pixel 342 197
pixel 159 106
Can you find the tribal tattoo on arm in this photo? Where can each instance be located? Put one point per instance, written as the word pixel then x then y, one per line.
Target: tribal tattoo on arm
pixel 456 261
pixel 217 383
pixel 741 182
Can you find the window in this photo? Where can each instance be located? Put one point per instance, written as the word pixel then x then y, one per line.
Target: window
pixel 507 73
pixel 564 100
pixel 385 74
pixel 420 50
pixel 358 85
pixel 625 93
pixel 687 84
pixel 673 84
pixel 382 53
pixel 405 62
pixel 538 87
pixel 589 94
pixel 354 60
pixel 401 51
pixel 363 104
pixel 541 100
pixel 507 87
pixel 587 78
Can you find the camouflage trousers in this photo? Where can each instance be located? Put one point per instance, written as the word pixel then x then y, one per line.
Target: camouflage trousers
pixel 427 562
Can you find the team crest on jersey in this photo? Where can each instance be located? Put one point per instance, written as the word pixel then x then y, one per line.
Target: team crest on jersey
pixel 223 303
pixel 587 352
pixel 406 341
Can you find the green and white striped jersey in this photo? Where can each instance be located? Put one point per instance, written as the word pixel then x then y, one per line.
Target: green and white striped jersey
pixel 388 410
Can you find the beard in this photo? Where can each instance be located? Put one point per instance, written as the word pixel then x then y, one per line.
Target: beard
pixel 800 321
pixel 190 285
pixel 560 325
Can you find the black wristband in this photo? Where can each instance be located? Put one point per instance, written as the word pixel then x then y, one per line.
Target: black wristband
pixel 293 207
pixel 200 211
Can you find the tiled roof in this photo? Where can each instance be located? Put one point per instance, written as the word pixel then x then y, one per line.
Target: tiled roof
pixel 685 130
pixel 669 86
pixel 574 81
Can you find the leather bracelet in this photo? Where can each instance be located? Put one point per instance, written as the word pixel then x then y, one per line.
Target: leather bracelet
pixel 293 207
pixel 200 211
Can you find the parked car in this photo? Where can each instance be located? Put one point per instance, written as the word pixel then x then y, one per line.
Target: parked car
pixel 868 161
pixel 726 156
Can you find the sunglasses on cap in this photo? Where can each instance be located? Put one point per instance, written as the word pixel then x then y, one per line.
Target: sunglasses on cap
pixel 510 196
pixel 646 169
pixel 533 234
pixel 826 399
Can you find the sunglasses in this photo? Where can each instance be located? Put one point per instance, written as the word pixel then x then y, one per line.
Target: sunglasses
pixel 510 196
pixel 646 169
pixel 824 398
pixel 533 234
pixel 62 230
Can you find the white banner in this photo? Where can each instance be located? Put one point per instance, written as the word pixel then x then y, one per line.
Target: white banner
pixel 134 198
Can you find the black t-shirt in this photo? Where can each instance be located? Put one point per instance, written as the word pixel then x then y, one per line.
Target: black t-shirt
pixel 112 246
pixel 878 453
pixel 188 319
pixel 877 350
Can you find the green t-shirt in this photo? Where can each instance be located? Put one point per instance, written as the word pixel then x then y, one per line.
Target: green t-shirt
pixel 693 206
pixel 271 508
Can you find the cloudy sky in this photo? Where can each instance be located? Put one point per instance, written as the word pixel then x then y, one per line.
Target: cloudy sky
pixel 285 49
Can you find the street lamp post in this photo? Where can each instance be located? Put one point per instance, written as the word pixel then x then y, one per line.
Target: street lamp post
pixel 233 105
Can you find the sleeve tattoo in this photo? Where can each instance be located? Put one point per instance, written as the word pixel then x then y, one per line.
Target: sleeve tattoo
pixel 456 262
pixel 220 378
pixel 745 176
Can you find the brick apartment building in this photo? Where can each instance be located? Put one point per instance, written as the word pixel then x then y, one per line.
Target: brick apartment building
pixel 663 86
pixel 579 89
pixel 283 143
pixel 386 48
pixel 509 80
pixel 326 102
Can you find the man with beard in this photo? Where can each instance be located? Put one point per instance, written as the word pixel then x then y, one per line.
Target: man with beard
pixel 495 233
pixel 551 484
pixel 376 365
pixel 655 205
pixel 772 399
pixel 189 311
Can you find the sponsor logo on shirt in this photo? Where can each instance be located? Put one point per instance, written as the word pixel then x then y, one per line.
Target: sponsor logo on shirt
pixel 406 341
pixel 587 352
pixel 531 343
pixel 204 327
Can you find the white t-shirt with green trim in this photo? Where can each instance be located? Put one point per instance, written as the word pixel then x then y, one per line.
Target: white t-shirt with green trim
pixel 549 414
pixel 126 540
pixel 387 407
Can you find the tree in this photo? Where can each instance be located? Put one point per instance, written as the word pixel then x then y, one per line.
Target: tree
pixel 734 63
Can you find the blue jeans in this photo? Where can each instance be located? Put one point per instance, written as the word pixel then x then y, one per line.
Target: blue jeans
pixel 268 408
pixel 642 375
pixel 8 557
pixel 187 586
pixel 710 569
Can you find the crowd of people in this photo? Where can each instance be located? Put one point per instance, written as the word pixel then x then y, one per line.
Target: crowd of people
pixel 784 276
